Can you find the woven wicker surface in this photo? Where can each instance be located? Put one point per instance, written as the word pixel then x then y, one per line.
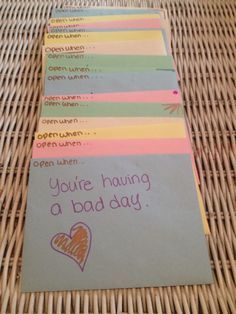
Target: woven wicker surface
pixel 204 48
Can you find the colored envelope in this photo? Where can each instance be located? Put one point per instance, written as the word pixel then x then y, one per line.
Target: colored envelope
pixel 106 25
pixel 90 37
pixel 112 151
pixel 125 25
pixel 158 229
pixel 98 83
pixel 56 124
pixel 139 47
pixel 73 63
pixel 109 109
pixel 162 96
pixel 64 148
pixel 82 20
pixel 147 47
pixel 162 130
pixel 73 11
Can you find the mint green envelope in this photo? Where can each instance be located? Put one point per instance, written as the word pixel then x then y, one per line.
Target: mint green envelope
pixel 72 63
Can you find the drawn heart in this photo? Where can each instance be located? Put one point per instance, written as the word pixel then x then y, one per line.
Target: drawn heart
pixel 76 245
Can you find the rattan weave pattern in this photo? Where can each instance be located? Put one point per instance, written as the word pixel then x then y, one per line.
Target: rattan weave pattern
pixel 204 48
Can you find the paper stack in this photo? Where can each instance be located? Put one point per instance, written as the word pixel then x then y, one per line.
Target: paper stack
pixel 113 195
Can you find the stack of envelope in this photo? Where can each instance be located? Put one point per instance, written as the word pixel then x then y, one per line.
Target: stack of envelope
pixel 113 197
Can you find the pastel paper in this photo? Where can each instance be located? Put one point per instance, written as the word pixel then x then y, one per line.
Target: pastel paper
pixel 121 47
pixel 82 38
pixel 109 109
pixel 140 47
pixel 161 96
pixel 60 148
pixel 55 124
pixel 118 26
pixel 82 20
pixel 73 63
pixel 171 220
pixel 41 148
pixel 202 210
pixel 73 12
pixel 144 24
pixel 139 23
pixel 162 130
pixel 93 83
pixel 75 147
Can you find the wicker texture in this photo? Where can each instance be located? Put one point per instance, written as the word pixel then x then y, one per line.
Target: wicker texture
pixel 204 48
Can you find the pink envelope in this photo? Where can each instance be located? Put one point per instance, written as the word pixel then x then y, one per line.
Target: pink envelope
pixel 160 96
pixel 66 148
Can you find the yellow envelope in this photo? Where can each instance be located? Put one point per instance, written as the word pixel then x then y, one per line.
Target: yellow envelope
pixel 140 47
pixel 202 210
pixel 162 130
pixel 60 124
pixel 89 37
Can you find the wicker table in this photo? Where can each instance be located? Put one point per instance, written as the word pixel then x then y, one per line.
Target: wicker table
pixel 204 48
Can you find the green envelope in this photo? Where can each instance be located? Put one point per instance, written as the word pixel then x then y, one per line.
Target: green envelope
pixel 71 63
